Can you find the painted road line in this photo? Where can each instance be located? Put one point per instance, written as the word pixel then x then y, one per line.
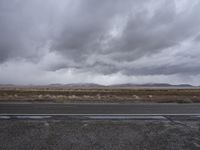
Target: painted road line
pixel 4 114
pixel 33 117
pixel 4 117
pixel 128 117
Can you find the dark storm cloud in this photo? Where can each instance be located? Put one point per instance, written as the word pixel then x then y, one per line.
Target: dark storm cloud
pixel 103 37
pixel 164 70
pixel 87 27
pixel 23 28
pixel 86 32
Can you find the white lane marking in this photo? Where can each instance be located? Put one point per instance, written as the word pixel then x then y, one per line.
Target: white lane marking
pixel 33 117
pixel 4 117
pixel 128 117
pixel 95 116
pixel 89 116
pixel 7 114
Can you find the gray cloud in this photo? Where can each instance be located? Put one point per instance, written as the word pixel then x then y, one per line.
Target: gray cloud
pixel 24 27
pixel 100 38
pixel 197 38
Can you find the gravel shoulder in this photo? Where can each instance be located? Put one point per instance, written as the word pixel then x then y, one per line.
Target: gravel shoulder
pixel 74 134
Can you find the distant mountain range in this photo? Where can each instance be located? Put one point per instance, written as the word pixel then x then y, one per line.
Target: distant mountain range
pixel 152 85
pixel 93 85
pixel 76 85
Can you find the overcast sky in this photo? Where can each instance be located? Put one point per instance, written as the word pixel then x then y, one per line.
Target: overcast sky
pixel 99 41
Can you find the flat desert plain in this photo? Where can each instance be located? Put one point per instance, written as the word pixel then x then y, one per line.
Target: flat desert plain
pixel 101 95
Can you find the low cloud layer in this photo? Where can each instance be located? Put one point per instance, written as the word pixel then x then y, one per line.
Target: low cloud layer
pixel 99 41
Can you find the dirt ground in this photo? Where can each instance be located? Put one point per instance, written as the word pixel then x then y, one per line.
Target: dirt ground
pixel 75 134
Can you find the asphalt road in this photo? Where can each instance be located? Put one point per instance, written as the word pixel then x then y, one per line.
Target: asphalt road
pixel 99 109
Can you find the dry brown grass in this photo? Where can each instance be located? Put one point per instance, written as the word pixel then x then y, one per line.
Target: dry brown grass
pixel 100 95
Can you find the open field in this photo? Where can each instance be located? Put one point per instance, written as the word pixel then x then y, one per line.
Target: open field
pixel 100 95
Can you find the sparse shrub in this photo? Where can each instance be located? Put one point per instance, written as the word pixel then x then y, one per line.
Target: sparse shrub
pixel 185 100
